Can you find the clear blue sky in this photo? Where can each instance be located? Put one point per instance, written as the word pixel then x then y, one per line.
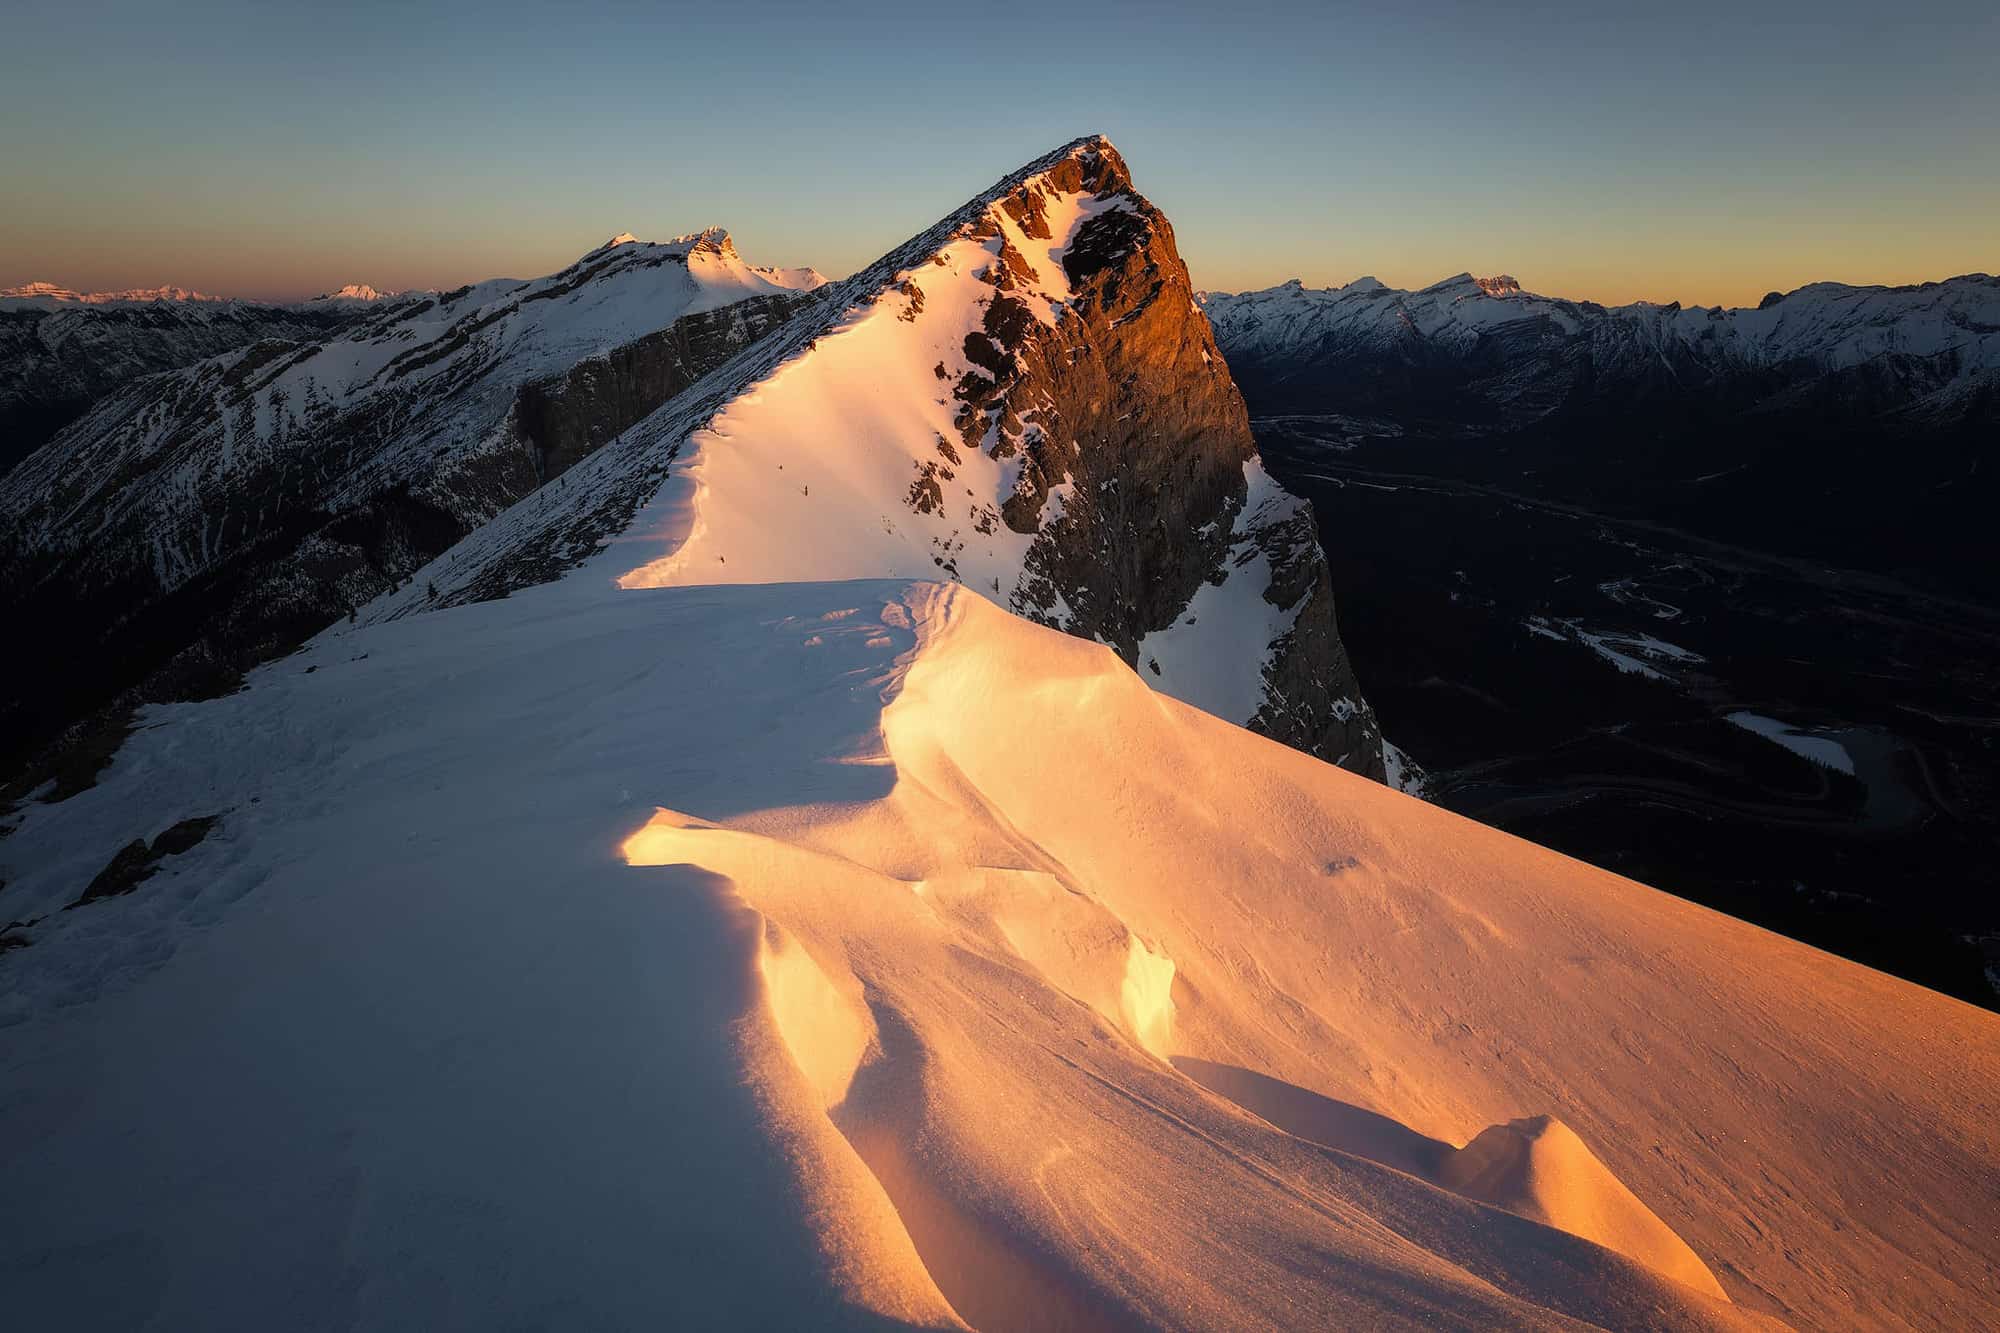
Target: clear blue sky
pixel 1701 152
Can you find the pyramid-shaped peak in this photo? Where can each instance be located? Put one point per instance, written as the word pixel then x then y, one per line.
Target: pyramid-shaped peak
pixel 1098 167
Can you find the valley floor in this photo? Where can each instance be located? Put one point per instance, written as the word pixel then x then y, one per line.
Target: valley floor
pixel 1814 749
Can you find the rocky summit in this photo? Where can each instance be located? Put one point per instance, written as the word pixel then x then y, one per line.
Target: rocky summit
pixel 1025 399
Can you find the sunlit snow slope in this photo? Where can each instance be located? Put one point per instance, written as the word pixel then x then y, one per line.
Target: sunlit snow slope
pixel 1025 399
pixel 805 955
pixel 649 948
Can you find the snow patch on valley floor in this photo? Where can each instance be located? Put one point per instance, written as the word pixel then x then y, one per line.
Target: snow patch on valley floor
pixel 1821 750
pixel 1631 651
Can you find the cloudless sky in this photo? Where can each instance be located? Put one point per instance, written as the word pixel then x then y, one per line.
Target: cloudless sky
pixel 1696 151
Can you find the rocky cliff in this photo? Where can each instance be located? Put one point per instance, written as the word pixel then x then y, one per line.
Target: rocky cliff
pixel 1024 399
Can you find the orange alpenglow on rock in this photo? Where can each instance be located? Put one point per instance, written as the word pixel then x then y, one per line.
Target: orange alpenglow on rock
pixel 599 943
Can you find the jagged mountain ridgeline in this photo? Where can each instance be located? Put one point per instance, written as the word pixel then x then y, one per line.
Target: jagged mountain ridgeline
pixel 1025 399
pixel 194 523
pixel 1485 348
pixel 1877 404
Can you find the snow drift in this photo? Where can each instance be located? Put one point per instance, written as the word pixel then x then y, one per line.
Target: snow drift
pixel 819 953
pixel 632 950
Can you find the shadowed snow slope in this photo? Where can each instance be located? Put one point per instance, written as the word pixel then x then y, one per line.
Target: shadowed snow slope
pixel 859 954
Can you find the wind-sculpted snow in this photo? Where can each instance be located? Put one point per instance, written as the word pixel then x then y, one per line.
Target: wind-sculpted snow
pixel 592 937
pixel 827 954
pixel 1023 399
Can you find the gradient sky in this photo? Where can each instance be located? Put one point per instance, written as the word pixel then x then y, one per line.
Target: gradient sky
pixel 1699 152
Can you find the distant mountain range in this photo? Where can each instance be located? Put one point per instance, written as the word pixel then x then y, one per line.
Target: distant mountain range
pixel 1487 351
pixel 1861 413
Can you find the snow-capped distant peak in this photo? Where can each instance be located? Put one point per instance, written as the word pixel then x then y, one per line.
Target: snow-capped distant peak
pixel 49 294
pixel 1457 283
pixel 709 240
pixel 712 252
pixel 1502 285
pixel 357 291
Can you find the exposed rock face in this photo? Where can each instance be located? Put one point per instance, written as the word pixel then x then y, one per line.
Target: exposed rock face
pixel 136 861
pixel 196 523
pixel 1068 440
pixel 1127 399
pixel 565 418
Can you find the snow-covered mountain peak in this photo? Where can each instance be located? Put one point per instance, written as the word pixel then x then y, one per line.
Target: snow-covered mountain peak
pixel 708 255
pixel 50 295
pixel 847 952
pixel 356 291
pixel 420 387
pixel 1001 401
pixel 1466 284
pixel 710 240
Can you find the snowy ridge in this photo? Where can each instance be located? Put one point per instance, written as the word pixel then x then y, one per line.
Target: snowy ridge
pixel 602 495
pixel 867 441
pixel 658 945
pixel 903 960
pixel 418 385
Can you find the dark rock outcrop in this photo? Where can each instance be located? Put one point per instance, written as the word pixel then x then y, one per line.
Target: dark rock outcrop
pixel 136 861
pixel 566 417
